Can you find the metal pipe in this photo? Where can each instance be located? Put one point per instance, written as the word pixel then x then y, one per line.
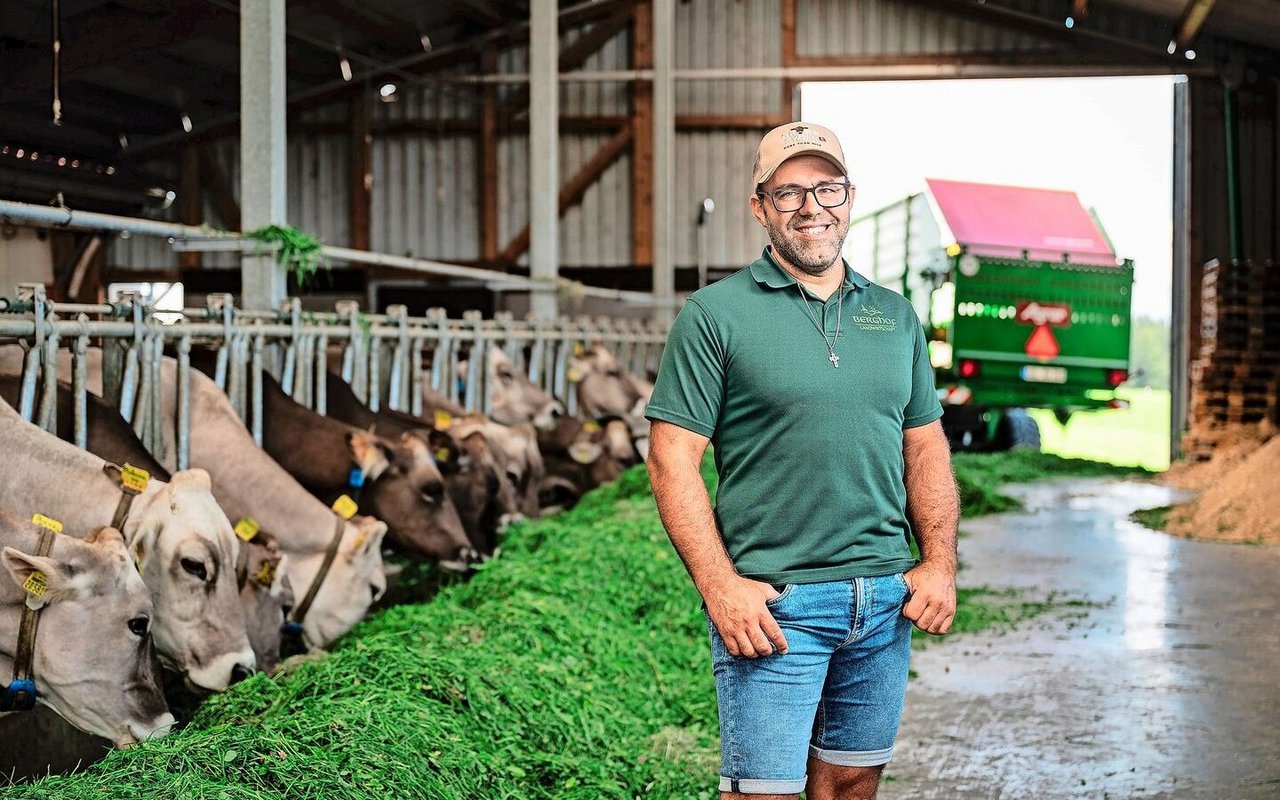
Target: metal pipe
pixel 374 365
pixel 255 376
pixel 322 374
pixel 80 387
pixel 183 458
pixel 415 378
pixel 1230 133
pixel 47 416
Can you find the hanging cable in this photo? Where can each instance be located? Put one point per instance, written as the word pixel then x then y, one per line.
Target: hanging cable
pixel 57 62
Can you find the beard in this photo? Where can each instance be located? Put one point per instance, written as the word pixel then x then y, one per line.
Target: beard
pixel 811 258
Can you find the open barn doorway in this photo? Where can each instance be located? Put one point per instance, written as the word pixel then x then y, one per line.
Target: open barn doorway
pixel 1109 140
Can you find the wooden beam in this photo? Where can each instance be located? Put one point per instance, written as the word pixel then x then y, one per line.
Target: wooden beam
pixel 487 175
pixel 571 193
pixel 642 142
pixel 1191 22
pixel 574 56
pixel 581 124
pixel 215 182
pixel 361 162
pixel 1079 9
pixel 366 22
pixel 190 201
pixel 788 48
pixel 481 12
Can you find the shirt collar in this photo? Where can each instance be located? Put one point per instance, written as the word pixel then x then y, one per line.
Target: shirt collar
pixel 766 271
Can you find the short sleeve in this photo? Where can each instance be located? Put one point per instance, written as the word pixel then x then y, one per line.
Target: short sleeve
pixel 923 407
pixel 689 390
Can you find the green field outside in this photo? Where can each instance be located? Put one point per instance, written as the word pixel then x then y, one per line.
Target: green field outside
pixel 1134 436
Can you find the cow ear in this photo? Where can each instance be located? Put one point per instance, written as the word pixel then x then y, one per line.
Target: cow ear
pixel 369 453
pixel 40 577
pixel 585 452
pixel 374 530
pixel 445 450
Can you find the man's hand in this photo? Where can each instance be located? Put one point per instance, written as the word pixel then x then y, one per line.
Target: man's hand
pixel 737 609
pixel 933 597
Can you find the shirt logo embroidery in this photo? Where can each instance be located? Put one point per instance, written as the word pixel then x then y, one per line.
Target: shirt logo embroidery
pixel 873 319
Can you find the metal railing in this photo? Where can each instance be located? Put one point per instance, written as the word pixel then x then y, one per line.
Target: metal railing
pixel 387 359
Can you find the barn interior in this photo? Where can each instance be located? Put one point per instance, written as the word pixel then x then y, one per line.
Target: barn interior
pixel 574 159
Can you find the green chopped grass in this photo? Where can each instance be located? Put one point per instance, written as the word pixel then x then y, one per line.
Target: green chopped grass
pixel 980 476
pixel 573 667
pixel 1156 519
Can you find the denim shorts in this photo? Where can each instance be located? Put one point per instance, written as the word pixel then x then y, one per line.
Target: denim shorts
pixel 836 695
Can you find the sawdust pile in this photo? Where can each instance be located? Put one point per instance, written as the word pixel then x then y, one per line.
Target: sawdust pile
pixel 1239 494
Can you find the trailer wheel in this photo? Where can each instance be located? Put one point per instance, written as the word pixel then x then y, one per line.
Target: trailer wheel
pixel 1016 430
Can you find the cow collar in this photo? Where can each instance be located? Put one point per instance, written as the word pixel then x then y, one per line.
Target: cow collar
pixel 293 625
pixel 132 482
pixel 20 694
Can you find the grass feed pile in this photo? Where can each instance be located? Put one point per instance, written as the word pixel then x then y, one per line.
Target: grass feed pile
pixel 574 667
pixel 980 476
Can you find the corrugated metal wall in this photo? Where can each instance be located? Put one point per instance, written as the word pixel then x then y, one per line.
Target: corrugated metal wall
pixel 424 174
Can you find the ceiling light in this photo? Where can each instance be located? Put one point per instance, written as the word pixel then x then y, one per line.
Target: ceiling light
pixel 345 66
pixel 426 43
pixel 1070 23
pixel 1172 48
pixel 387 91
pixel 186 122
pixel 124 142
pixel 1191 55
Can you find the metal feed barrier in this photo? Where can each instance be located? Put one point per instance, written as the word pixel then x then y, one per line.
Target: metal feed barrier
pixel 386 358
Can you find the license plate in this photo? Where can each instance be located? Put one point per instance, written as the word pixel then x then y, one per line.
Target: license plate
pixel 1038 374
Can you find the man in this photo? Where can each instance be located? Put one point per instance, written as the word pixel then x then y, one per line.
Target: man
pixel 815 387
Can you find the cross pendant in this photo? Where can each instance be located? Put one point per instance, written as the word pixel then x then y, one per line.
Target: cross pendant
pixel 835 360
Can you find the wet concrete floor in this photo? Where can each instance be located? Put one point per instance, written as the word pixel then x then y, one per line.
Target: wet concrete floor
pixel 1168 688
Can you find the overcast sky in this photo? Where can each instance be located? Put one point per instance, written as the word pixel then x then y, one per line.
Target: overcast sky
pixel 1108 139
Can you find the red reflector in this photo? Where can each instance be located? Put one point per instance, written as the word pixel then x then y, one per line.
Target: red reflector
pixel 968 368
pixel 1042 343
pixel 1115 377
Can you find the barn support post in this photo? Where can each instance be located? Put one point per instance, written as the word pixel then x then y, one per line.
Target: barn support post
pixel 262 144
pixel 1179 339
pixel 544 160
pixel 664 139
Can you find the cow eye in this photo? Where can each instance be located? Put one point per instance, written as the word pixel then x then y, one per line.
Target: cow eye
pixel 139 626
pixel 195 568
pixel 506 377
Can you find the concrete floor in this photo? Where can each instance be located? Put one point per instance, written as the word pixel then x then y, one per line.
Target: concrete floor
pixel 1170 688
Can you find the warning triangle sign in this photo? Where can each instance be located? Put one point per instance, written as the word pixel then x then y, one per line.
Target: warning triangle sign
pixel 1042 344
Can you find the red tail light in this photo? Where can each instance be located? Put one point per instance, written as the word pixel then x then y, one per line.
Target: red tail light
pixel 1115 377
pixel 969 368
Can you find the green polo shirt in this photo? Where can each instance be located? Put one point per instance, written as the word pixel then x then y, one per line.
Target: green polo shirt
pixel 809 455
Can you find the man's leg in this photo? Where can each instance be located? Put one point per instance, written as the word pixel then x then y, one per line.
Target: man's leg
pixel 829 782
pixel 857 720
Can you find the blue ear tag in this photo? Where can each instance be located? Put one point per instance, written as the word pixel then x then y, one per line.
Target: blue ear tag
pixel 356 479
pixel 19 696
pixel 291 628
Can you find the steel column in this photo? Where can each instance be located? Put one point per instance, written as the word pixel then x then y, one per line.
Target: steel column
pixel 544 155
pixel 262 143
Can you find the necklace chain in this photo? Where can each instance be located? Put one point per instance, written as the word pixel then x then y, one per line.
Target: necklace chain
pixel 831 345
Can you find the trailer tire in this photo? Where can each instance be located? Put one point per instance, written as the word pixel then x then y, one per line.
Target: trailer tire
pixel 1017 430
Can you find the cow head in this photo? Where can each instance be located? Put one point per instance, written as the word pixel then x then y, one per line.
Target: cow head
pixel 354 582
pixel 404 487
pixel 479 486
pixel 186 552
pixel 94 663
pixel 267 597
pixel 604 387
pixel 514 398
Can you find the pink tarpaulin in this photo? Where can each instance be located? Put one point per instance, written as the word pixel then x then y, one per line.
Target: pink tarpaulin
pixel 1005 220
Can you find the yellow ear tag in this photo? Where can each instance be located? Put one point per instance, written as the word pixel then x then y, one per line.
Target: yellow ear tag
pixel 247 528
pixel 266 574
pixel 358 543
pixel 36 584
pixel 442 455
pixel 591 426
pixel 574 375
pixel 578 349
pixel 134 479
pixel 443 420
pixel 46 522
pixel 345 507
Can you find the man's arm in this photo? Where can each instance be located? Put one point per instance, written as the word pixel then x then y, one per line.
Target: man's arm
pixel 735 604
pixel 933 507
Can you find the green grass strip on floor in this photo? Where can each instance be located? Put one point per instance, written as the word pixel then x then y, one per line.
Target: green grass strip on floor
pixel 980 476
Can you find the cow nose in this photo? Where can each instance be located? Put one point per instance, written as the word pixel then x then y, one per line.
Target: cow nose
pixel 239 672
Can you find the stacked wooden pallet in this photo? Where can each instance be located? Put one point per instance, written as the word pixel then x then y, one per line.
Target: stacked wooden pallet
pixel 1235 380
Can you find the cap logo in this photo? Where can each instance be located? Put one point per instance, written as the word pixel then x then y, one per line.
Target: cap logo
pixel 802 135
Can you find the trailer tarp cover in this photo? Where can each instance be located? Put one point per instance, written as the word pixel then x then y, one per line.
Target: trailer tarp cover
pixel 1003 221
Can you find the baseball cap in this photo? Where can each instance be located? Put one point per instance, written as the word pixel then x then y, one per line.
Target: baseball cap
pixel 796 139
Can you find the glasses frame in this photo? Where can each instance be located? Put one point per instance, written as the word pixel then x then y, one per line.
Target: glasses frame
pixel 849 189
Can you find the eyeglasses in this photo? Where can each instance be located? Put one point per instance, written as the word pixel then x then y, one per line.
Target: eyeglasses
pixel 791 197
